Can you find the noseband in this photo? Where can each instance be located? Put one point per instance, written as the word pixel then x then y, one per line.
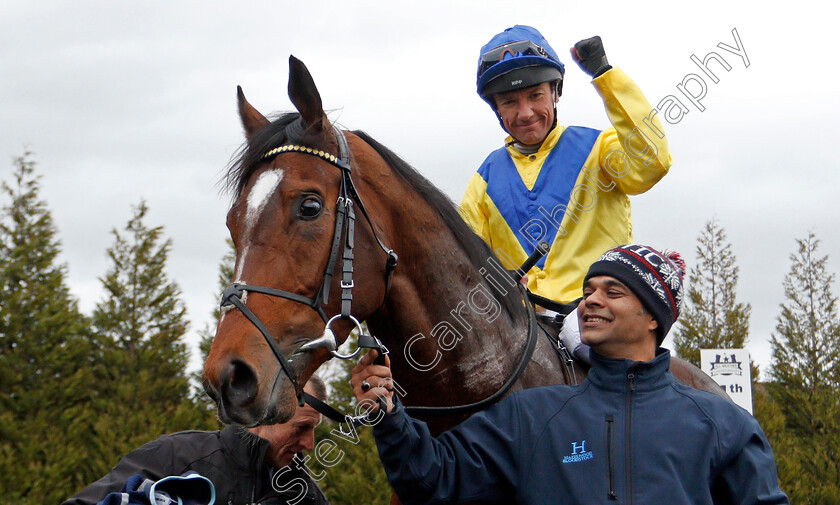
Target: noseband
pixel 344 226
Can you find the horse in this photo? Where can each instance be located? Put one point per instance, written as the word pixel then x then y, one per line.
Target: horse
pixel 456 325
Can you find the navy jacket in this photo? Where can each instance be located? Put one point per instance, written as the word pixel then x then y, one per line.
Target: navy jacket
pixel 628 434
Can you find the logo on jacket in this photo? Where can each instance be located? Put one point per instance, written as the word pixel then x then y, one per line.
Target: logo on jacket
pixel 579 453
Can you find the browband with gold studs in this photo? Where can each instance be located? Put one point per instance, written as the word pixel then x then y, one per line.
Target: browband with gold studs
pixel 305 150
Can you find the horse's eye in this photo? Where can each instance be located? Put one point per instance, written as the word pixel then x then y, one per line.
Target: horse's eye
pixel 310 208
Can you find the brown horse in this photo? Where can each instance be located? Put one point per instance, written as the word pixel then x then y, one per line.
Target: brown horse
pixel 456 325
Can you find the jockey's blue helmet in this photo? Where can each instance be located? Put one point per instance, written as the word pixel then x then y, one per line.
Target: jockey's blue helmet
pixel 517 58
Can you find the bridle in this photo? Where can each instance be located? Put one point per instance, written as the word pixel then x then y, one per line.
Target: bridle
pixel 344 227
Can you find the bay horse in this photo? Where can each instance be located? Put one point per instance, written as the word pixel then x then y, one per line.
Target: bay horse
pixel 456 326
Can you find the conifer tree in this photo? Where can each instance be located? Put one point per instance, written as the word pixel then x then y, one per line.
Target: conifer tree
pixel 806 347
pixel 46 365
pixel 142 321
pixel 712 317
pixel 806 370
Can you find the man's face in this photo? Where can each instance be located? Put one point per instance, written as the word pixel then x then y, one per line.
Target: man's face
pixel 527 113
pixel 287 439
pixel 614 322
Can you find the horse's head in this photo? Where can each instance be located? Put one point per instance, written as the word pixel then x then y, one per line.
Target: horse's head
pixel 286 225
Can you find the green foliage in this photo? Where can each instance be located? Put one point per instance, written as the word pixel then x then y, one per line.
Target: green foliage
pixel 786 450
pixel 46 361
pixel 358 477
pixel 806 347
pixel 806 371
pixel 142 315
pixel 142 323
pixel 712 318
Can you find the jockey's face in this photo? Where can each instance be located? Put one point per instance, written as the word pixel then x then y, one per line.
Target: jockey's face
pixel 614 322
pixel 527 113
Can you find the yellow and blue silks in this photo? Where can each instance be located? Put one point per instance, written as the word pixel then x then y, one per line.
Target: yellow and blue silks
pixel 572 192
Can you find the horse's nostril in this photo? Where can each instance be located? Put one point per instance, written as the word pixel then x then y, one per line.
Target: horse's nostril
pixel 239 384
pixel 210 390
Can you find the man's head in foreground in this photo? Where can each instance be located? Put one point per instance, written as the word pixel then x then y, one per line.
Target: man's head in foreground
pixel 298 434
pixel 631 298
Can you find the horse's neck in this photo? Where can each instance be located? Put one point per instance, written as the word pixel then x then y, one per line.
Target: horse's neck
pixel 442 320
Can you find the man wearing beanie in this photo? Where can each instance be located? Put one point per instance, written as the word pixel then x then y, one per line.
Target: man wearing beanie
pixel 629 433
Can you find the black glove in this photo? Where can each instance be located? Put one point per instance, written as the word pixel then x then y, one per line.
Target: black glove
pixel 590 56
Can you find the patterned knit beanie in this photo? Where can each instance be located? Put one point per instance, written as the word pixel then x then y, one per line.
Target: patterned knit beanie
pixel 655 278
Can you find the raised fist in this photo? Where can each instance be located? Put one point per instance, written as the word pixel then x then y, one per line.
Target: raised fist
pixel 590 56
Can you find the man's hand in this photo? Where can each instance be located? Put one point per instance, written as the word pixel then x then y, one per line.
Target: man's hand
pixel 373 382
pixel 590 56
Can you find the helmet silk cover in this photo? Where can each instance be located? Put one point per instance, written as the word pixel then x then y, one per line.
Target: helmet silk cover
pixel 517 58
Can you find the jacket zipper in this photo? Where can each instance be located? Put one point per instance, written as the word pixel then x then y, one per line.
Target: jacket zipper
pixel 631 386
pixel 610 421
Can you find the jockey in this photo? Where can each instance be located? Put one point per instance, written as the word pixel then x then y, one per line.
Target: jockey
pixel 564 185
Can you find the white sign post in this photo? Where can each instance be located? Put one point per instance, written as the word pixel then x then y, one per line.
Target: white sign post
pixel 731 369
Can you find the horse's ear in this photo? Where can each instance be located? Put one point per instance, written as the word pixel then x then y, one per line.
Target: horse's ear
pixel 251 118
pixel 305 96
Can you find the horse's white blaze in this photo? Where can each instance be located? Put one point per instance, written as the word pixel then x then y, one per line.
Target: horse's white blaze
pixel 237 276
pixel 261 191
pixel 259 195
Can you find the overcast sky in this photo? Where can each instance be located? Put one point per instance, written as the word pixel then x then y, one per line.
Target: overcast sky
pixel 123 101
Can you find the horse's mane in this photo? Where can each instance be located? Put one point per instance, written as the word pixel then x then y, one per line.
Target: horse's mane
pixel 475 248
pixel 275 134
pixel 247 158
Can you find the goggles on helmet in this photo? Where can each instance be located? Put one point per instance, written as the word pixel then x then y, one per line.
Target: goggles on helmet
pixel 510 50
